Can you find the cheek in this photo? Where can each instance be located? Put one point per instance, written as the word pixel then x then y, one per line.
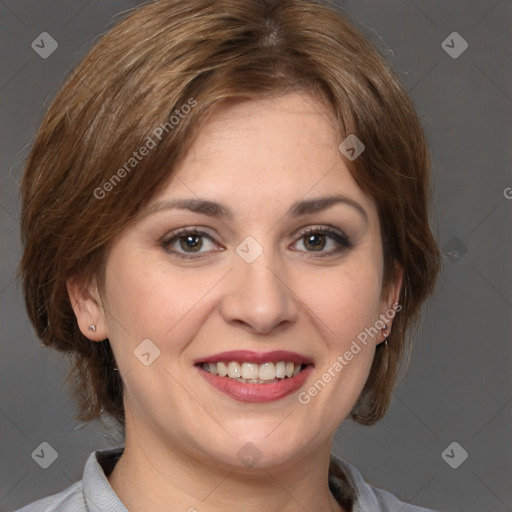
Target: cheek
pixel 345 302
pixel 151 299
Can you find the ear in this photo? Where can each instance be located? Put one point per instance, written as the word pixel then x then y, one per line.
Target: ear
pixel 88 307
pixel 390 297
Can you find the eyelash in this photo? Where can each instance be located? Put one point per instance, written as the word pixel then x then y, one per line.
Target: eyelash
pixel 340 238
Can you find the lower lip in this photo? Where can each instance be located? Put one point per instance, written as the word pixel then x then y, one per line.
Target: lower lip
pixel 256 393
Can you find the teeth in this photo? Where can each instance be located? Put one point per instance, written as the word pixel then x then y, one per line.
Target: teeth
pixel 249 371
pixel 222 369
pixel 267 371
pixel 280 370
pixel 234 370
pixel 253 373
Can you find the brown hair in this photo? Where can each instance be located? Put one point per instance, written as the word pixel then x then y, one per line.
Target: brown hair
pixel 170 53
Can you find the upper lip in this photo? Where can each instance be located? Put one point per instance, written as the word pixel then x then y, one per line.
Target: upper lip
pixel 248 356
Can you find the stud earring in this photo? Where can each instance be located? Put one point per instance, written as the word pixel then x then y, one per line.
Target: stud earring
pixel 92 328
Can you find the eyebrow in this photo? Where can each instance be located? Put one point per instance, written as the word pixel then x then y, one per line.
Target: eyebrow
pixel 297 209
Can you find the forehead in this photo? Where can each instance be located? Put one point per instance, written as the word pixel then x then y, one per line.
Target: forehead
pixel 271 150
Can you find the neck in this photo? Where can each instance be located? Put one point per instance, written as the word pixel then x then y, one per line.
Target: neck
pixel 152 476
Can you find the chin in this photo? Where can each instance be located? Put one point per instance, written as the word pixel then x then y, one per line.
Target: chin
pixel 260 448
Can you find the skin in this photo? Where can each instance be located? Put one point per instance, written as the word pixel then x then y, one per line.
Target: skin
pixel 182 435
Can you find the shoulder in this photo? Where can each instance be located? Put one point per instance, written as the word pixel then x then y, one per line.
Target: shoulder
pixel 69 499
pixel 347 481
pixel 93 492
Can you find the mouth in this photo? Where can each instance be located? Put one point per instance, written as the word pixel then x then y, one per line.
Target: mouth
pixel 255 377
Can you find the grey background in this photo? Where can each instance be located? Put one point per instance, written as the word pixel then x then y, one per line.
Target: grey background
pixel 458 387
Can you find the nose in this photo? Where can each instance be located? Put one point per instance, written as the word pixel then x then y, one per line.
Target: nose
pixel 258 297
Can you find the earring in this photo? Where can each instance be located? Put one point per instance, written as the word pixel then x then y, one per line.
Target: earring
pixel 92 328
pixel 386 334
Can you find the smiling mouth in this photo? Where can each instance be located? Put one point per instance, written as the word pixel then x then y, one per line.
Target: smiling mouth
pixel 254 373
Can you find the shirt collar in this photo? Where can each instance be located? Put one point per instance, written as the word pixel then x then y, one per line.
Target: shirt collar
pixel 98 494
pixel 349 487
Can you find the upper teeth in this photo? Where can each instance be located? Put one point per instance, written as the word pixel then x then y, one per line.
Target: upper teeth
pixel 252 371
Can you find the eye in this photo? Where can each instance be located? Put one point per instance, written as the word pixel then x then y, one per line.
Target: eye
pixel 186 242
pixel 192 242
pixel 317 239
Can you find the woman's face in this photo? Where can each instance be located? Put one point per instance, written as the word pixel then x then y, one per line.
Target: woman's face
pixel 241 253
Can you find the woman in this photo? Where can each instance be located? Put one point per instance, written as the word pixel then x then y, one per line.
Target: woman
pixel 225 224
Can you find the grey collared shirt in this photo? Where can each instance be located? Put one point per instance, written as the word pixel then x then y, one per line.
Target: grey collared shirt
pixel 94 494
